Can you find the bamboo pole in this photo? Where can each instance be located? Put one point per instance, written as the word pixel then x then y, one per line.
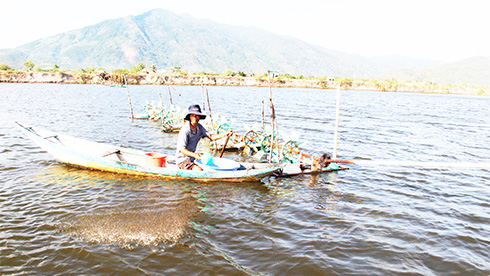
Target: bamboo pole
pixel 277 136
pixel 160 94
pixel 262 116
pixel 209 106
pixel 129 98
pixel 273 115
pixel 170 95
pixel 212 126
pixel 202 92
pixel 415 163
pixel 336 135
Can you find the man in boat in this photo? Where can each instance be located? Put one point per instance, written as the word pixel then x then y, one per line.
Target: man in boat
pixel 189 136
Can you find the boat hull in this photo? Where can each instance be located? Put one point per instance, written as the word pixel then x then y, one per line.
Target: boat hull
pixel 104 157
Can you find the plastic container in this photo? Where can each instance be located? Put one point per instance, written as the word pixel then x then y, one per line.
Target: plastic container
pixel 155 159
pixel 219 164
pixel 207 159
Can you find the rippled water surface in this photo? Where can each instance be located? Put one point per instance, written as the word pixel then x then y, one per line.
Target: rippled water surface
pixel 369 220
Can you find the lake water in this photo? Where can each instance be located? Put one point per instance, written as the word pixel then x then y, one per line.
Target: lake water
pixel 368 220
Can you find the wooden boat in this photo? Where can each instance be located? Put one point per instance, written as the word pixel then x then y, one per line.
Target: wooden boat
pixel 98 156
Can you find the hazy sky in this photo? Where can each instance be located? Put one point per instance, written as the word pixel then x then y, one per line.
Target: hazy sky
pixel 445 30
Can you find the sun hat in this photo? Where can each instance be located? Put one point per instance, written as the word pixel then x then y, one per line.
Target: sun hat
pixel 194 109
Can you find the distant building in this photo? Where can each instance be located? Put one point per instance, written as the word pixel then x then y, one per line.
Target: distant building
pixel 273 74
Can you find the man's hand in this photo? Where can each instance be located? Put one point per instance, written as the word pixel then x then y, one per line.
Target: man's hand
pixel 197 156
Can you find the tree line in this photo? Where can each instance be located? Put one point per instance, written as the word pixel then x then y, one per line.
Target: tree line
pixel 117 75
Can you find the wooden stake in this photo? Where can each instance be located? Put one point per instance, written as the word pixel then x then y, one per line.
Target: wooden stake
pixel 129 98
pixel 415 163
pixel 202 92
pixel 209 106
pixel 336 136
pixel 170 95
pixel 262 115
pixel 273 116
pixel 160 94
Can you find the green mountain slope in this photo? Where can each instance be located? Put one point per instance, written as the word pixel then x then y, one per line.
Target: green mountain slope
pixel 164 39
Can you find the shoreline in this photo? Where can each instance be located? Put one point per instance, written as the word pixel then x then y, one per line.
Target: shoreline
pixel 152 78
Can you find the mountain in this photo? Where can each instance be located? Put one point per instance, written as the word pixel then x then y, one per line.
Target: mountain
pixel 471 71
pixel 164 39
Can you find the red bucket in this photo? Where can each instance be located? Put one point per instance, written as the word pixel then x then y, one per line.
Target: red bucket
pixel 155 159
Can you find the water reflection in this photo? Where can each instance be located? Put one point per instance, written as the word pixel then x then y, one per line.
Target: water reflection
pixel 322 179
pixel 74 177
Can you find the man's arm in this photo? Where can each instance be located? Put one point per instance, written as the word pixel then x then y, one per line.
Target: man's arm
pixel 214 137
pixel 189 153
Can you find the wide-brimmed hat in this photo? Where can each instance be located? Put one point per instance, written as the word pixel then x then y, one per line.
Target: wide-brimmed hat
pixel 194 109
